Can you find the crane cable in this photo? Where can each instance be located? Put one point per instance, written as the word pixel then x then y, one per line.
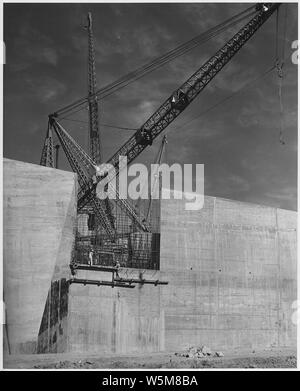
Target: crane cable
pixel 150 67
pixel 162 149
pixel 101 123
pixel 160 61
pixel 279 71
pixel 279 67
pixel 203 113
pixel 152 179
pixel 228 97
pixel 246 85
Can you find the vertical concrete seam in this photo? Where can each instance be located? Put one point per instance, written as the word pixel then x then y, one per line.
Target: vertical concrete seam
pixel 278 277
pixel 58 314
pixel 215 256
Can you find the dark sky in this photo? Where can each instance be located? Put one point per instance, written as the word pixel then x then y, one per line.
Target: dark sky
pixel 238 141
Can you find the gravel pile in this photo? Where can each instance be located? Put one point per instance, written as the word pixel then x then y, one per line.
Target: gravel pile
pixel 199 352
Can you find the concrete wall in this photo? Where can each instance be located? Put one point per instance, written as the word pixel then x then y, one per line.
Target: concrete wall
pixel 53 331
pixel 115 320
pixel 39 219
pixel 89 318
pixel 232 273
pixel 231 269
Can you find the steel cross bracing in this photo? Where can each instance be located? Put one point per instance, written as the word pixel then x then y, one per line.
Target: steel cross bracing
pixel 140 222
pixel 47 157
pixel 84 166
pixel 94 135
pixel 184 95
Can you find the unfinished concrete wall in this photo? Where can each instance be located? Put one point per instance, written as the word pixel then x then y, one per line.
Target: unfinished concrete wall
pixel 89 318
pixel 53 331
pixel 115 320
pixel 232 273
pixel 39 220
pixel 231 269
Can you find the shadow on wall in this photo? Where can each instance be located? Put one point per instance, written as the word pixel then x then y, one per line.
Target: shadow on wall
pixel 52 336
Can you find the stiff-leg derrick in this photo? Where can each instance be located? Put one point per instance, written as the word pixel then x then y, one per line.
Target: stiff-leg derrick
pixel 84 166
pixel 47 157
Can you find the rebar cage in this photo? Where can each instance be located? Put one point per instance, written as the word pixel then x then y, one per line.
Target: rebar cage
pixel 131 247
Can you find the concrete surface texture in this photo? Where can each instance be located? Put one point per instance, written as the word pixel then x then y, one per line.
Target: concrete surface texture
pixel 231 268
pixel 115 320
pixel 39 220
pixel 232 274
pixel 89 318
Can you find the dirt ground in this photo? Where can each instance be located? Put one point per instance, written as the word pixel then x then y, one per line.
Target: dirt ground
pixel 268 358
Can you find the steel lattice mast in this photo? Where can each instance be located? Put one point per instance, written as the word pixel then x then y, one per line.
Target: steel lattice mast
pixel 95 141
pixel 47 157
pixel 94 131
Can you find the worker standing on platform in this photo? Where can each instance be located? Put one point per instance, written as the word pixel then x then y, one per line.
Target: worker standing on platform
pixel 117 266
pixel 91 255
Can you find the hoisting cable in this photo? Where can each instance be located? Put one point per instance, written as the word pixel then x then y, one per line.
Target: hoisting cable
pixel 133 76
pixel 276 36
pixel 279 67
pixel 285 30
pixel 160 61
pixel 156 178
pixel 152 179
pixel 203 113
pixel 247 85
pixel 169 58
pixel 280 78
pixel 102 124
pixel 118 127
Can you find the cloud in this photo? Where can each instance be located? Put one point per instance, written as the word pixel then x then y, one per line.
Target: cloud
pixel 50 55
pixel 231 184
pixel 288 194
pixel 29 48
pixel 45 89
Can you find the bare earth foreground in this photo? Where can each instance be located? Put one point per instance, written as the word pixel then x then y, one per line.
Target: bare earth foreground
pixel 269 358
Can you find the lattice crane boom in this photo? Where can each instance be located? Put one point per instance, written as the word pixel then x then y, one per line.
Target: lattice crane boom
pixel 175 104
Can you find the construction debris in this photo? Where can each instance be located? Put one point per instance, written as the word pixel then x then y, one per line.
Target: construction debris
pixel 199 352
pixel 85 364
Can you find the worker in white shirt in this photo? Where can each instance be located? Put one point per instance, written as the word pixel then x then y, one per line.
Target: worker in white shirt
pixel 117 266
pixel 91 256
